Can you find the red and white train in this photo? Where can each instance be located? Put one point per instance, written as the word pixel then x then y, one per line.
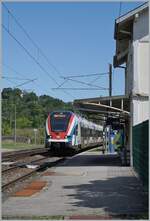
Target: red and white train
pixel 67 130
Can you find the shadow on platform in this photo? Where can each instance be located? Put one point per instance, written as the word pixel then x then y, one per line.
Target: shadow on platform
pixel 120 195
pixel 93 160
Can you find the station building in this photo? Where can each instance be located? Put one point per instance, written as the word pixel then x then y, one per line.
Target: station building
pixel 133 51
pixel 131 33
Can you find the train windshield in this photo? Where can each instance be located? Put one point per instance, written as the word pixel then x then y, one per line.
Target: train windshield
pixel 59 121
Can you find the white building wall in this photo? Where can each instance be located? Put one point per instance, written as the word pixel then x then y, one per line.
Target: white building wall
pixel 139 68
pixel 137 73
pixel 141 25
pixel 143 66
pixel 140 110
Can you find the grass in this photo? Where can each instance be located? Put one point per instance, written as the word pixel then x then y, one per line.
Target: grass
pixel 59 217
pixel 12 145
pixel 34 218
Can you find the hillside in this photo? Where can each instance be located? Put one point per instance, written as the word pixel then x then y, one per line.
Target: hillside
pixel 30 110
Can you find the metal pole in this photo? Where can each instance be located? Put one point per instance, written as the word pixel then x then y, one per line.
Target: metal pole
pixel 35 137
pixel 35 134
pixel 15 124
pixel 110 80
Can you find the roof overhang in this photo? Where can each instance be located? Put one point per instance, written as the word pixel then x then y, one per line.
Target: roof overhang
pixel 100 108
pixel 123 34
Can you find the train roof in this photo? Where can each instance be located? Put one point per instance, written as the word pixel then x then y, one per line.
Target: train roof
pixel 84 122
pixel 88 124
pixel 61 111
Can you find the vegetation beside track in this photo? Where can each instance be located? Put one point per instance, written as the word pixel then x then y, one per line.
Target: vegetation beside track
pixel 26 111
pixel 59 217
pixel 19 146
pixel 34 218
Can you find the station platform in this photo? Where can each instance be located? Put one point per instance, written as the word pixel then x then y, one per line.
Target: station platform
pixel 87 185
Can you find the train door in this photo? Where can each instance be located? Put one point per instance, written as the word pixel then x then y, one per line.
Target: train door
pixel 79 135
pixel 76 137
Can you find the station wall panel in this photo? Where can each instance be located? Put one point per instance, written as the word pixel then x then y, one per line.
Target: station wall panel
pixel 140 151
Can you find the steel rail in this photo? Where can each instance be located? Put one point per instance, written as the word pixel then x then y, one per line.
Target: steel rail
pixel 5 186
pixel 21 153
pixel 21 164
pixel 18 179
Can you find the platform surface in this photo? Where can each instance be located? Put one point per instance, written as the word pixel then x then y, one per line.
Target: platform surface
pixel 86 184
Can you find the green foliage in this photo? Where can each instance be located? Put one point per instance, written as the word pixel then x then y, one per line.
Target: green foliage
pixel 23 122
pixel 31 111
pixel 6 129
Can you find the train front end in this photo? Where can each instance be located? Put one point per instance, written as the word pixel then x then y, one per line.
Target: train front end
pixel 59 127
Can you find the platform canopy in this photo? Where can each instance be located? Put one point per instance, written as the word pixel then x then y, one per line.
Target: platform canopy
pixel 100 108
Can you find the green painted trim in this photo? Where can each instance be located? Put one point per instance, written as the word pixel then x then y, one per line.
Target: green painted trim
pixel 140 140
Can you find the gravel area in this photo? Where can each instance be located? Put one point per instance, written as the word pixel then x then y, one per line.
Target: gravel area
pixel 12 175
pixel 18 172
pixel 7 165
pixel 18 186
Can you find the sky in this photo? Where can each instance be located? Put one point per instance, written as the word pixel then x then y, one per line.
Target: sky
pixel 75 38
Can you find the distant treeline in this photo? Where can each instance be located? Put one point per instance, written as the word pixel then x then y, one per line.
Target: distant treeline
pixel 29 110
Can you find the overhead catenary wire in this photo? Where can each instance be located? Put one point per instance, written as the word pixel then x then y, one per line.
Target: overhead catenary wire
pixel 94 80
pixel 31 56
pixel 63 83
pixel 81 82
pixel 102 74
pixel 18 85
pixel 90 89
pixel 9 81
pixel 19 73
pixel 28 53
pixel 85 75
pixel 12 69
pixel 16 78
pixel 39 50
pixel 26 82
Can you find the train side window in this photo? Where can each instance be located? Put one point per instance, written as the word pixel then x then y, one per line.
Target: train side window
pixel 88 132
pixel 85 132
pixel 82 131
pixel 76 130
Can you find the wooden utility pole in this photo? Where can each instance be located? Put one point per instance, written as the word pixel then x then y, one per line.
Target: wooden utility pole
pixel 110 80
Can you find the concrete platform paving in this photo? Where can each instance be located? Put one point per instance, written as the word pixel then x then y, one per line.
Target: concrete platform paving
pixel 87 184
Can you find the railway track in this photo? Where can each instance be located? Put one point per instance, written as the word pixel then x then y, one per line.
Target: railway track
pixel 22 172
pixel 14 155
pixel 21 165
pixel 21 178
